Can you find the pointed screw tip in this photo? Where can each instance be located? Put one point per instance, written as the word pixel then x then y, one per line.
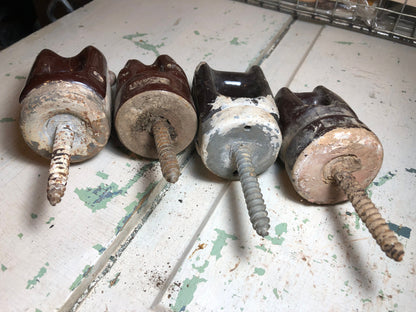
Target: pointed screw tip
pixel 54 198
pixel 173 178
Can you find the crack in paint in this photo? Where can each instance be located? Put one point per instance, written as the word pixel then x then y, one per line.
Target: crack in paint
pixel 135 205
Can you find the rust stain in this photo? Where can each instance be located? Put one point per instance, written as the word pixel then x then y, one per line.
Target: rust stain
pixel 236 266
pixel 200 247
pixel 114 280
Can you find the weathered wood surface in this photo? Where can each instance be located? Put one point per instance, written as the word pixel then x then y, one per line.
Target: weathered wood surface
pixel 195 250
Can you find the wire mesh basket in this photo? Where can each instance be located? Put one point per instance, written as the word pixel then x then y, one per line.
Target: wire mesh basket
pixel 394 20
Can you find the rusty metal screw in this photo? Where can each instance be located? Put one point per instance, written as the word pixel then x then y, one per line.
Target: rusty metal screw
pixel 251 189
pixel 365 208
pixel 59 167
pixel 167 157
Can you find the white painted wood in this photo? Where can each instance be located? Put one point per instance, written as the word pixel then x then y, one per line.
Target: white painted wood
pixel 316 258
pixel 50 255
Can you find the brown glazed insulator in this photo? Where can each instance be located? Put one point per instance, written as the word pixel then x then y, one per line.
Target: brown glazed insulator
pixel 65 111
pixel 149 93
pixel 319 127
pixel 332 156
pixel 73 91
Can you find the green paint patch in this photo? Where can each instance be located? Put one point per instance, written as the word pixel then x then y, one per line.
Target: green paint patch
pixel 235 41
pixel 207 54
pixel 100 248
pixel 330 237
pixel 411 170
pixel 369 191
pixel 305 220
pixel 186 293
pixel 114 281
pixel 131 208
pixel 7 75
pixel 357 220
pixel 365 300
pixel 144 44
pixel 7 119
pixel 36 279
pixel 37 310
pixel 3 267
pixel 384 179
pixel 277 187
pixel 279 230
pixel 201 269
pixel 129 212
pixel 97 198
pixel 20 235
pixel 275 293
pixel 334 257
pixel 259 271
pixel 196 32
pixel 78 280
pixel 263 248
pixel 220 242
pixel 400 230
pixel 19 77
pixel 50 220
pixel 381 294
pixel 344 42
pixel 102 175
pixel 33 215
pixel 347 227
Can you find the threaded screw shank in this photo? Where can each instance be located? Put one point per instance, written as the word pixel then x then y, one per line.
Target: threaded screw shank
pixel 369 214
pixel 167 157
pixel 60 160
pixel 251 189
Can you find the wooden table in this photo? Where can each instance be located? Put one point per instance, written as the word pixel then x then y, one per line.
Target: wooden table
pixel 123 239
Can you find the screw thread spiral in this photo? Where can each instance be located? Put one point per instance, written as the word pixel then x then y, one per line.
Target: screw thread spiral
pixel 369 214
pixel 251 189
pixel 167 157
pixel 60 160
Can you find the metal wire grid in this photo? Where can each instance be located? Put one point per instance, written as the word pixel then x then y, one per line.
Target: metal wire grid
pixel 384 18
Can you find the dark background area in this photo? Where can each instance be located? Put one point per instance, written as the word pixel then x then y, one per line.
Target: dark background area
pixel 19 18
